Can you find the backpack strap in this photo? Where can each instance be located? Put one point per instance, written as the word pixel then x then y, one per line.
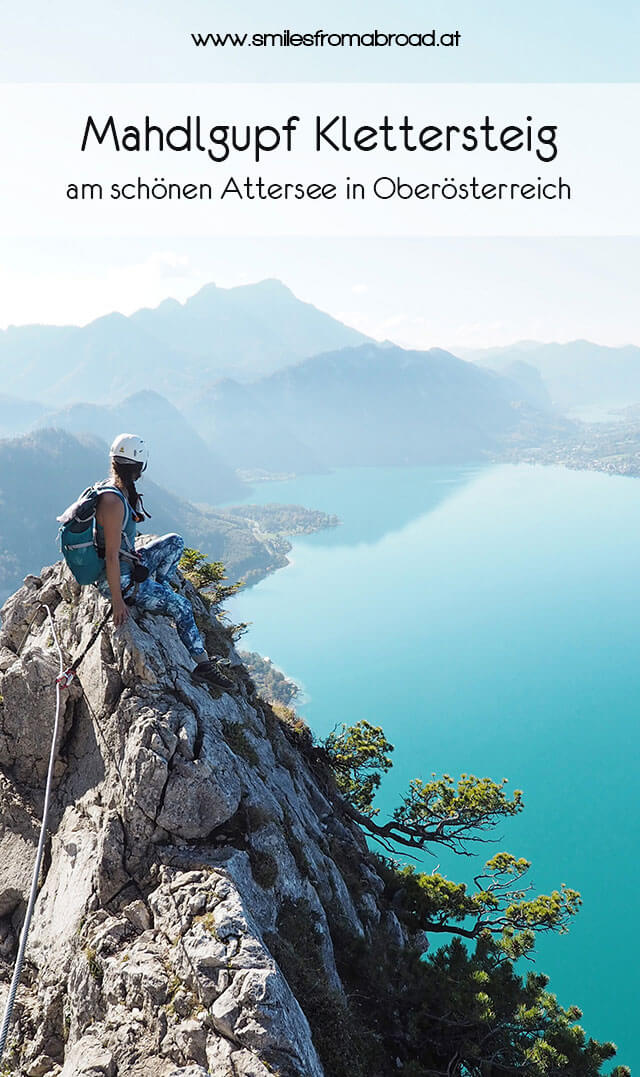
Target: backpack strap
pixel 127 549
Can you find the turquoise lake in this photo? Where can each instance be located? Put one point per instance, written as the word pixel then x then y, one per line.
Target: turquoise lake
pixel 488 619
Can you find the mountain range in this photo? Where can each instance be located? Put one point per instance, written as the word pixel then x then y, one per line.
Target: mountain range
pixel 175 349
pixel 247 334
pixel 180 459
pixel 307 394
pixel 577 374
pixel 18 416
pixel 375 404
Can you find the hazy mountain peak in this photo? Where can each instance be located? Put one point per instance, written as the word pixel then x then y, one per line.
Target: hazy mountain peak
pixel 269 288
pixel 578 373
pixel 168 304
pixel 114 318
pixel 148 396
pixel 272 285
pixel 178 349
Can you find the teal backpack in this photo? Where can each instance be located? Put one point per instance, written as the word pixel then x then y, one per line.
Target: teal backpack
pixel 77 537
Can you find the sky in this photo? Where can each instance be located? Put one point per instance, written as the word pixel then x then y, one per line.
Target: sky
pixel 452 293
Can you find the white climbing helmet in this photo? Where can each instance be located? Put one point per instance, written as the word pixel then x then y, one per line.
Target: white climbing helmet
pixel 130 449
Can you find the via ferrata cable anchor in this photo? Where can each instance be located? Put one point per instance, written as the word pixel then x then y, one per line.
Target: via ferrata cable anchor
pixel 66 677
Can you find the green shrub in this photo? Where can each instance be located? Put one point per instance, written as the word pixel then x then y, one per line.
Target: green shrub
pixel 264 868
pixel 256 817
pixel 358 754
pixel 207 576
pixel 95 965
pixel 239 743
pixel 296 847
pixel 296 946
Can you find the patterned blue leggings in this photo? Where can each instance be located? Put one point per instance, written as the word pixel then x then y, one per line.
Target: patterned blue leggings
pixel 156 596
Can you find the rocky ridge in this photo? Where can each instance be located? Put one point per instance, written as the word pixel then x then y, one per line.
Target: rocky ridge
pixel 197 863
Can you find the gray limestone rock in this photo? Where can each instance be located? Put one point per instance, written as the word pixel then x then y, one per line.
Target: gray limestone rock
pixel 201 794
pixel 19 830
pixel 183 821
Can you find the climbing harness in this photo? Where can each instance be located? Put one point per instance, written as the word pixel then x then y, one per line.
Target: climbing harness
pixel 17 972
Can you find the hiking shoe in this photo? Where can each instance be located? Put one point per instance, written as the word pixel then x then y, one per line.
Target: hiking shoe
pixel 209 673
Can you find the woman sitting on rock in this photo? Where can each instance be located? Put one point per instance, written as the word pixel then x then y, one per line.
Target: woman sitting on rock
pixel 146 574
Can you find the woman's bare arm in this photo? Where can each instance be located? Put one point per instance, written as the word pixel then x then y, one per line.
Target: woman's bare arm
pixel 110 516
